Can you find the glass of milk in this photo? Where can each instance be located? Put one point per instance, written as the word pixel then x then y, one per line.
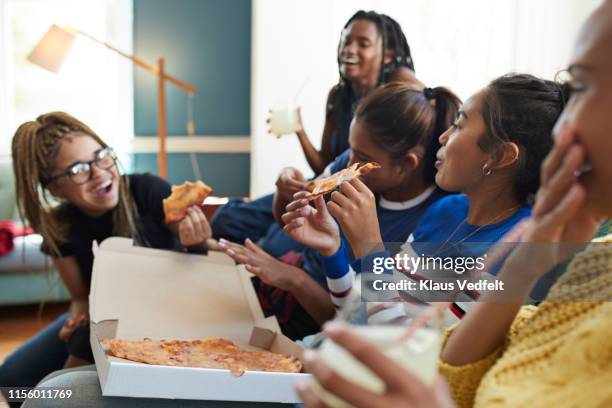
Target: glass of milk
pixel 284 120
pixel 385 325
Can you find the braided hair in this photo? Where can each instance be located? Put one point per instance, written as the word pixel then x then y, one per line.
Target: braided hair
pixel 34 149
pixel 393 39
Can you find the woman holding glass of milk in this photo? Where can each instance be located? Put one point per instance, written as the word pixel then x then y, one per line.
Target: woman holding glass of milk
pixel 372 51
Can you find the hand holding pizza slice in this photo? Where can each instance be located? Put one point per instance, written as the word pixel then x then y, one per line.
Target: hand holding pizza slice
pixel 183 197
pixel 324 185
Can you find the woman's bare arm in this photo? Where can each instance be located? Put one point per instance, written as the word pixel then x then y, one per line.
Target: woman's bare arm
pixel 69 271
pixel 319 159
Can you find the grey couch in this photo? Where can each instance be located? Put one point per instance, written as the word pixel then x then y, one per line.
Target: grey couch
pixel 26 274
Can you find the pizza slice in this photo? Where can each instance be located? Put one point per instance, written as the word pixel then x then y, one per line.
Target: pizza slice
pixel 202 353
pixel 183 197
pixel 324 185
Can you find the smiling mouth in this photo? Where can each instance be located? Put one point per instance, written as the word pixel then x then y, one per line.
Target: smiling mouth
pixel 104 187
pixel 349 61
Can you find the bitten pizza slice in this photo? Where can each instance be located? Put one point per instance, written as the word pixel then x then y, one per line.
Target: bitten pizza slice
pixel 183 197
pixel 324 185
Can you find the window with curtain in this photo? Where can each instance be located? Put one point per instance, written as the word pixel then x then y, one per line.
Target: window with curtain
pixel 94 85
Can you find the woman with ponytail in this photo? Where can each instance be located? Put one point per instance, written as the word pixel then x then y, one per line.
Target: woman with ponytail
pixel 70 191
pixel 397 126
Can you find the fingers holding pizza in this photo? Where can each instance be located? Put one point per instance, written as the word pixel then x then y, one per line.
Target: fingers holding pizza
pixel 194 229
pixel 184 215
pixel 289 182
pixel 312 226
pixel 354 207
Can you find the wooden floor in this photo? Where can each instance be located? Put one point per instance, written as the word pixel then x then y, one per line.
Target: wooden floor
pixel 19 323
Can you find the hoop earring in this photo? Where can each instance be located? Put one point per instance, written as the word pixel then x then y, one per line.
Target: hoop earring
pixel 486 171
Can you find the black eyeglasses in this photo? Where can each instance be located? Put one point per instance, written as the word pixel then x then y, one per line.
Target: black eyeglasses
pixel 80 173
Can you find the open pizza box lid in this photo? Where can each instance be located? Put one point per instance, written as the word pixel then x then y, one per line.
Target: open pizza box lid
pixel 139 293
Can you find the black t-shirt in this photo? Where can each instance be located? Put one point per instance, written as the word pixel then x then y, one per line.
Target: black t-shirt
pixel 345 110
pixel 148 191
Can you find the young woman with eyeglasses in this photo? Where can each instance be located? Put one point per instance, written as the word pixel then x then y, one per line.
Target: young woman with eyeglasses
pixel 70 191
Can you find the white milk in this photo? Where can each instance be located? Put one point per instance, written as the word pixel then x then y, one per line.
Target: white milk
pixel 419 355
pixel 284 121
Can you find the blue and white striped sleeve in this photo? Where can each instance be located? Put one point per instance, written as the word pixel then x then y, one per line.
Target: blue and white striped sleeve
pixel 339 274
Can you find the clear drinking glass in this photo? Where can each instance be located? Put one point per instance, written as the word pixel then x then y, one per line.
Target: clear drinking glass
pixel 408 333
pixel 284 120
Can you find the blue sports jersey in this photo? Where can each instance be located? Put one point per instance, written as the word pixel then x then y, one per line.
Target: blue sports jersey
pixel 396 220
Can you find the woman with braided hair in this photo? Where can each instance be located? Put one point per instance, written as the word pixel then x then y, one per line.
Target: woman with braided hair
pixel 372 51
pixel 69 190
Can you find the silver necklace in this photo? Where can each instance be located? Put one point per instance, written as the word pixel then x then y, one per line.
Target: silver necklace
pixel 490 222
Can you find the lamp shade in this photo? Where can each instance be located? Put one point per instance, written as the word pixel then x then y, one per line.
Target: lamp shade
pixel 51 50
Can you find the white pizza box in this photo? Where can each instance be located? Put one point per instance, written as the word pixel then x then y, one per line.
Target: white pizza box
pixel 139 293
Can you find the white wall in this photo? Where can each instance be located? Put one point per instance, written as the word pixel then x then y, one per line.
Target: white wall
pixel 292 41
pixel 5 91
pixel 94 84
pixel 460 44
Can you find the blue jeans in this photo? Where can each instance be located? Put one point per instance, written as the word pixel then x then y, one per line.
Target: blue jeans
pixel 238 220
pixel 36 358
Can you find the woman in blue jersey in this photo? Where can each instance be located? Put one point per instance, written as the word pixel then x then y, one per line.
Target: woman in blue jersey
pixel 397 126
pixel 491 155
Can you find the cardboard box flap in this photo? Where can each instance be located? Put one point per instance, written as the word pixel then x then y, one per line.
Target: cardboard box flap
pixel 106 329
pixel 163 294
pixel 118 244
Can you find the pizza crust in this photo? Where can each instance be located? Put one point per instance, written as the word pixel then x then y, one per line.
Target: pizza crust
pixel 183 197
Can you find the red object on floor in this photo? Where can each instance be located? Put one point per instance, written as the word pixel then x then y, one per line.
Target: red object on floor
pixel 9 229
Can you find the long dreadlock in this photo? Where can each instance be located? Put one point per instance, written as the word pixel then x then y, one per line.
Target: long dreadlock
pixel 393 39
pixel 35 147
pixel 396 41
